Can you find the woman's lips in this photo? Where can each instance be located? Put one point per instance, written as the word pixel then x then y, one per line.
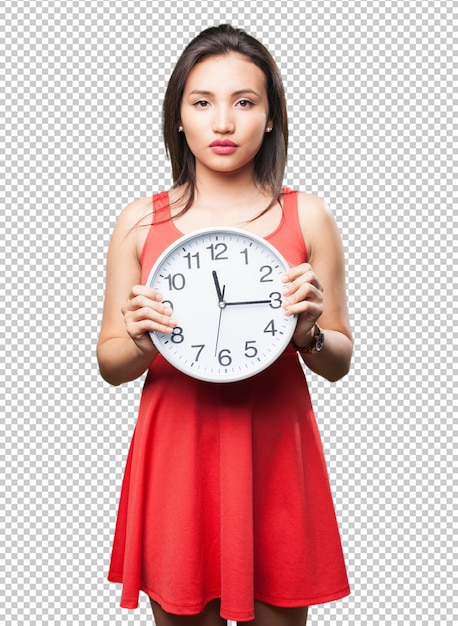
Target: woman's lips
pixel 223 146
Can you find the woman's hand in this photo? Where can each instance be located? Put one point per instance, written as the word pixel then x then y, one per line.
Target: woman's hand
pixel 303 296
pixel 145 312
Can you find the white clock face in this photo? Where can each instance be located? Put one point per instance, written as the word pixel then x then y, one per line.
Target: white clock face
pixel 224 286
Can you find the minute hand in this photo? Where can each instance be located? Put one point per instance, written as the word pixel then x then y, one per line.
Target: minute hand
pixel 249 302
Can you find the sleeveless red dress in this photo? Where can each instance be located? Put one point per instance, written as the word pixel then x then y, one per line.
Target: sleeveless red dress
pixel 226 492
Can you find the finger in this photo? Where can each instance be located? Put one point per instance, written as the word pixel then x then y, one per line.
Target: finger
pixel 308 309
pixel 294 272
pixel 158 313
pixel 149 326
pixel 305 292
pixel 298 275
pixel 136 302
pixel 141 322
pixel 306 286
pixel 148 292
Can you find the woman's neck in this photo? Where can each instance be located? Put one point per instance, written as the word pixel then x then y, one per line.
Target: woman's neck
pixel 228 205
pixel 228 190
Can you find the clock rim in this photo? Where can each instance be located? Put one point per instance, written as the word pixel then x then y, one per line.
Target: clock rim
pixel 176 244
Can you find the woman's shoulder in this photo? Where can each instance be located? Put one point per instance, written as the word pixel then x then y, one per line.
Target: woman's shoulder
pixel 316 219
pixel 313 208
pixel 136 213
pixel 311 204
pixel 126 234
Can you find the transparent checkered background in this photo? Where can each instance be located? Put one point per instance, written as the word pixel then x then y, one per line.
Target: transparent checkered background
pixel 370 87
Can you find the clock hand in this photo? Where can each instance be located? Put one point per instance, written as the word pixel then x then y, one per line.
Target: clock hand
pixel 219 293
pixel 249 302
pixel 219 328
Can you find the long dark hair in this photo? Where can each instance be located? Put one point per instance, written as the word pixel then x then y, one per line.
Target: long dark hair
pixel 270 161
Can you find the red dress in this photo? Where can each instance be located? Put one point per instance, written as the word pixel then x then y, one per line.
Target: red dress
pixel 226 492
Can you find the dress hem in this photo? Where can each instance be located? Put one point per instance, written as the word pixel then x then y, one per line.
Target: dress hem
pixel 290 603
pixel 286 603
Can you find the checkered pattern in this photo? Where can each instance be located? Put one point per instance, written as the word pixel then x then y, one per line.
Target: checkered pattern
pixel 370 87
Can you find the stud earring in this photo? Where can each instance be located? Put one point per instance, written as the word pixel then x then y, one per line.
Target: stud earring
pixel 180 129
pixel 268 130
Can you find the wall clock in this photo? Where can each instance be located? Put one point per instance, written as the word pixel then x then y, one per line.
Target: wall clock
pixel 224 286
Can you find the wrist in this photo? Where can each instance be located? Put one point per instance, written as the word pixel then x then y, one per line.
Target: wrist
pixel 315 343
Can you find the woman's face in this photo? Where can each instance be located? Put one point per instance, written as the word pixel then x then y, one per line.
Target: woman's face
pixel 224 113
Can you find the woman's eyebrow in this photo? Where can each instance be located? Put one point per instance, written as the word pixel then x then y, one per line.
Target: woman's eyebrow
pixel 239 92
pixel 204 92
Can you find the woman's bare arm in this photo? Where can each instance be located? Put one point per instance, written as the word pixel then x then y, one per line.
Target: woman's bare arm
pixel 131 310
pixel 316 291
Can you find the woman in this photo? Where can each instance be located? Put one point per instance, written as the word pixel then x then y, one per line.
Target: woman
pixel 226 511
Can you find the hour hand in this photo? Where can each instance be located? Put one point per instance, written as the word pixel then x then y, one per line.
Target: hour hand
pixel 219 291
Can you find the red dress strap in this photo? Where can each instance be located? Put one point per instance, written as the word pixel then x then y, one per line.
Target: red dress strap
pixel 288 236
pixel 161 234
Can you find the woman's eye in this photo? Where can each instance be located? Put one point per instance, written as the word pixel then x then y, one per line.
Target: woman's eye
pixel 201 104
pixel 245 104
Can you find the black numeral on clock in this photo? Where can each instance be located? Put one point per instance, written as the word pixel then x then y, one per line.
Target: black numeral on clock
pixel 177 335
pixel 224 357
pixel 199 348
pixel 176 281
pixel 192 259
pixel 267 272
pixel 218 250
pixel 275 300
pixel 250 350
pixel 270 328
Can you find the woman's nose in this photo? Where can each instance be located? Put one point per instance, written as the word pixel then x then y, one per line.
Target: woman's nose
pixel 223 121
